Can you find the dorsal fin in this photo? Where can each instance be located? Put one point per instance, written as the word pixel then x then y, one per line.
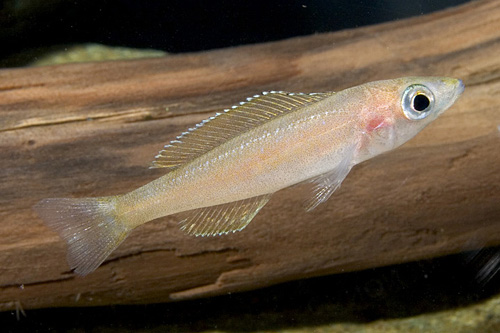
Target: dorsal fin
pixel 224 126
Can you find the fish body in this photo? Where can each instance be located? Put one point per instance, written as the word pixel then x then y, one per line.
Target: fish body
pixel 224 170
pixel 279 153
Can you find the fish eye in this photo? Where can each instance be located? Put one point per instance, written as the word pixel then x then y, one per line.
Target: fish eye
pixel 417 102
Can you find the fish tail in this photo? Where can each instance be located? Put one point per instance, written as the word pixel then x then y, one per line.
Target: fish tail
pixel 91 227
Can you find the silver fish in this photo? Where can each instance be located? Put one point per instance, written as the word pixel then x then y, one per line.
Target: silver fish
pixel 223 171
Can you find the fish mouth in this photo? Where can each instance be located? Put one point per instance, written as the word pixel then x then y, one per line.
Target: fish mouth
pixel 455 88
pixel 460 87
pixel 456 84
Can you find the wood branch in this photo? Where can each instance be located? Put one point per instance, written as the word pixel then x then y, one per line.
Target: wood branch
pixel 92 129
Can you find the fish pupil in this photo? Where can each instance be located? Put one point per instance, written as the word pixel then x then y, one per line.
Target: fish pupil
pixel 421 102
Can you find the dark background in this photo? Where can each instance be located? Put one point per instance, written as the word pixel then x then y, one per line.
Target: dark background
pixel 187 25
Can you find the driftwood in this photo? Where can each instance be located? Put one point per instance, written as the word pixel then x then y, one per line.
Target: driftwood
pixel 92 129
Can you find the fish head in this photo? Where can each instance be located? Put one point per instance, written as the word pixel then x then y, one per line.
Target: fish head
pixel 400 108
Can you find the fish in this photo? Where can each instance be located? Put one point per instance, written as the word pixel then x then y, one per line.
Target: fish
pixel 220 173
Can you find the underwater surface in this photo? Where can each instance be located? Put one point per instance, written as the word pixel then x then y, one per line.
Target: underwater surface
pixel 442 294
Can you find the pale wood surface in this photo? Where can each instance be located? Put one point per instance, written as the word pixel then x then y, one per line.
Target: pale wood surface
pixel 92 129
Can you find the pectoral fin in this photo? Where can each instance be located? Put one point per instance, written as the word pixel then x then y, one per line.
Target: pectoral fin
pixel 327 183
pixel 222 219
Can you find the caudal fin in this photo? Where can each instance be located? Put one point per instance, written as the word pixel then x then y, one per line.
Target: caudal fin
pixel 90 227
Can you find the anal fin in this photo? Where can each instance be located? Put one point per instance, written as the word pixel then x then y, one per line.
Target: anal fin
pixel 222 219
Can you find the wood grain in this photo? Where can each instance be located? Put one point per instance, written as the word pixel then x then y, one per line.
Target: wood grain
pixel 92 129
